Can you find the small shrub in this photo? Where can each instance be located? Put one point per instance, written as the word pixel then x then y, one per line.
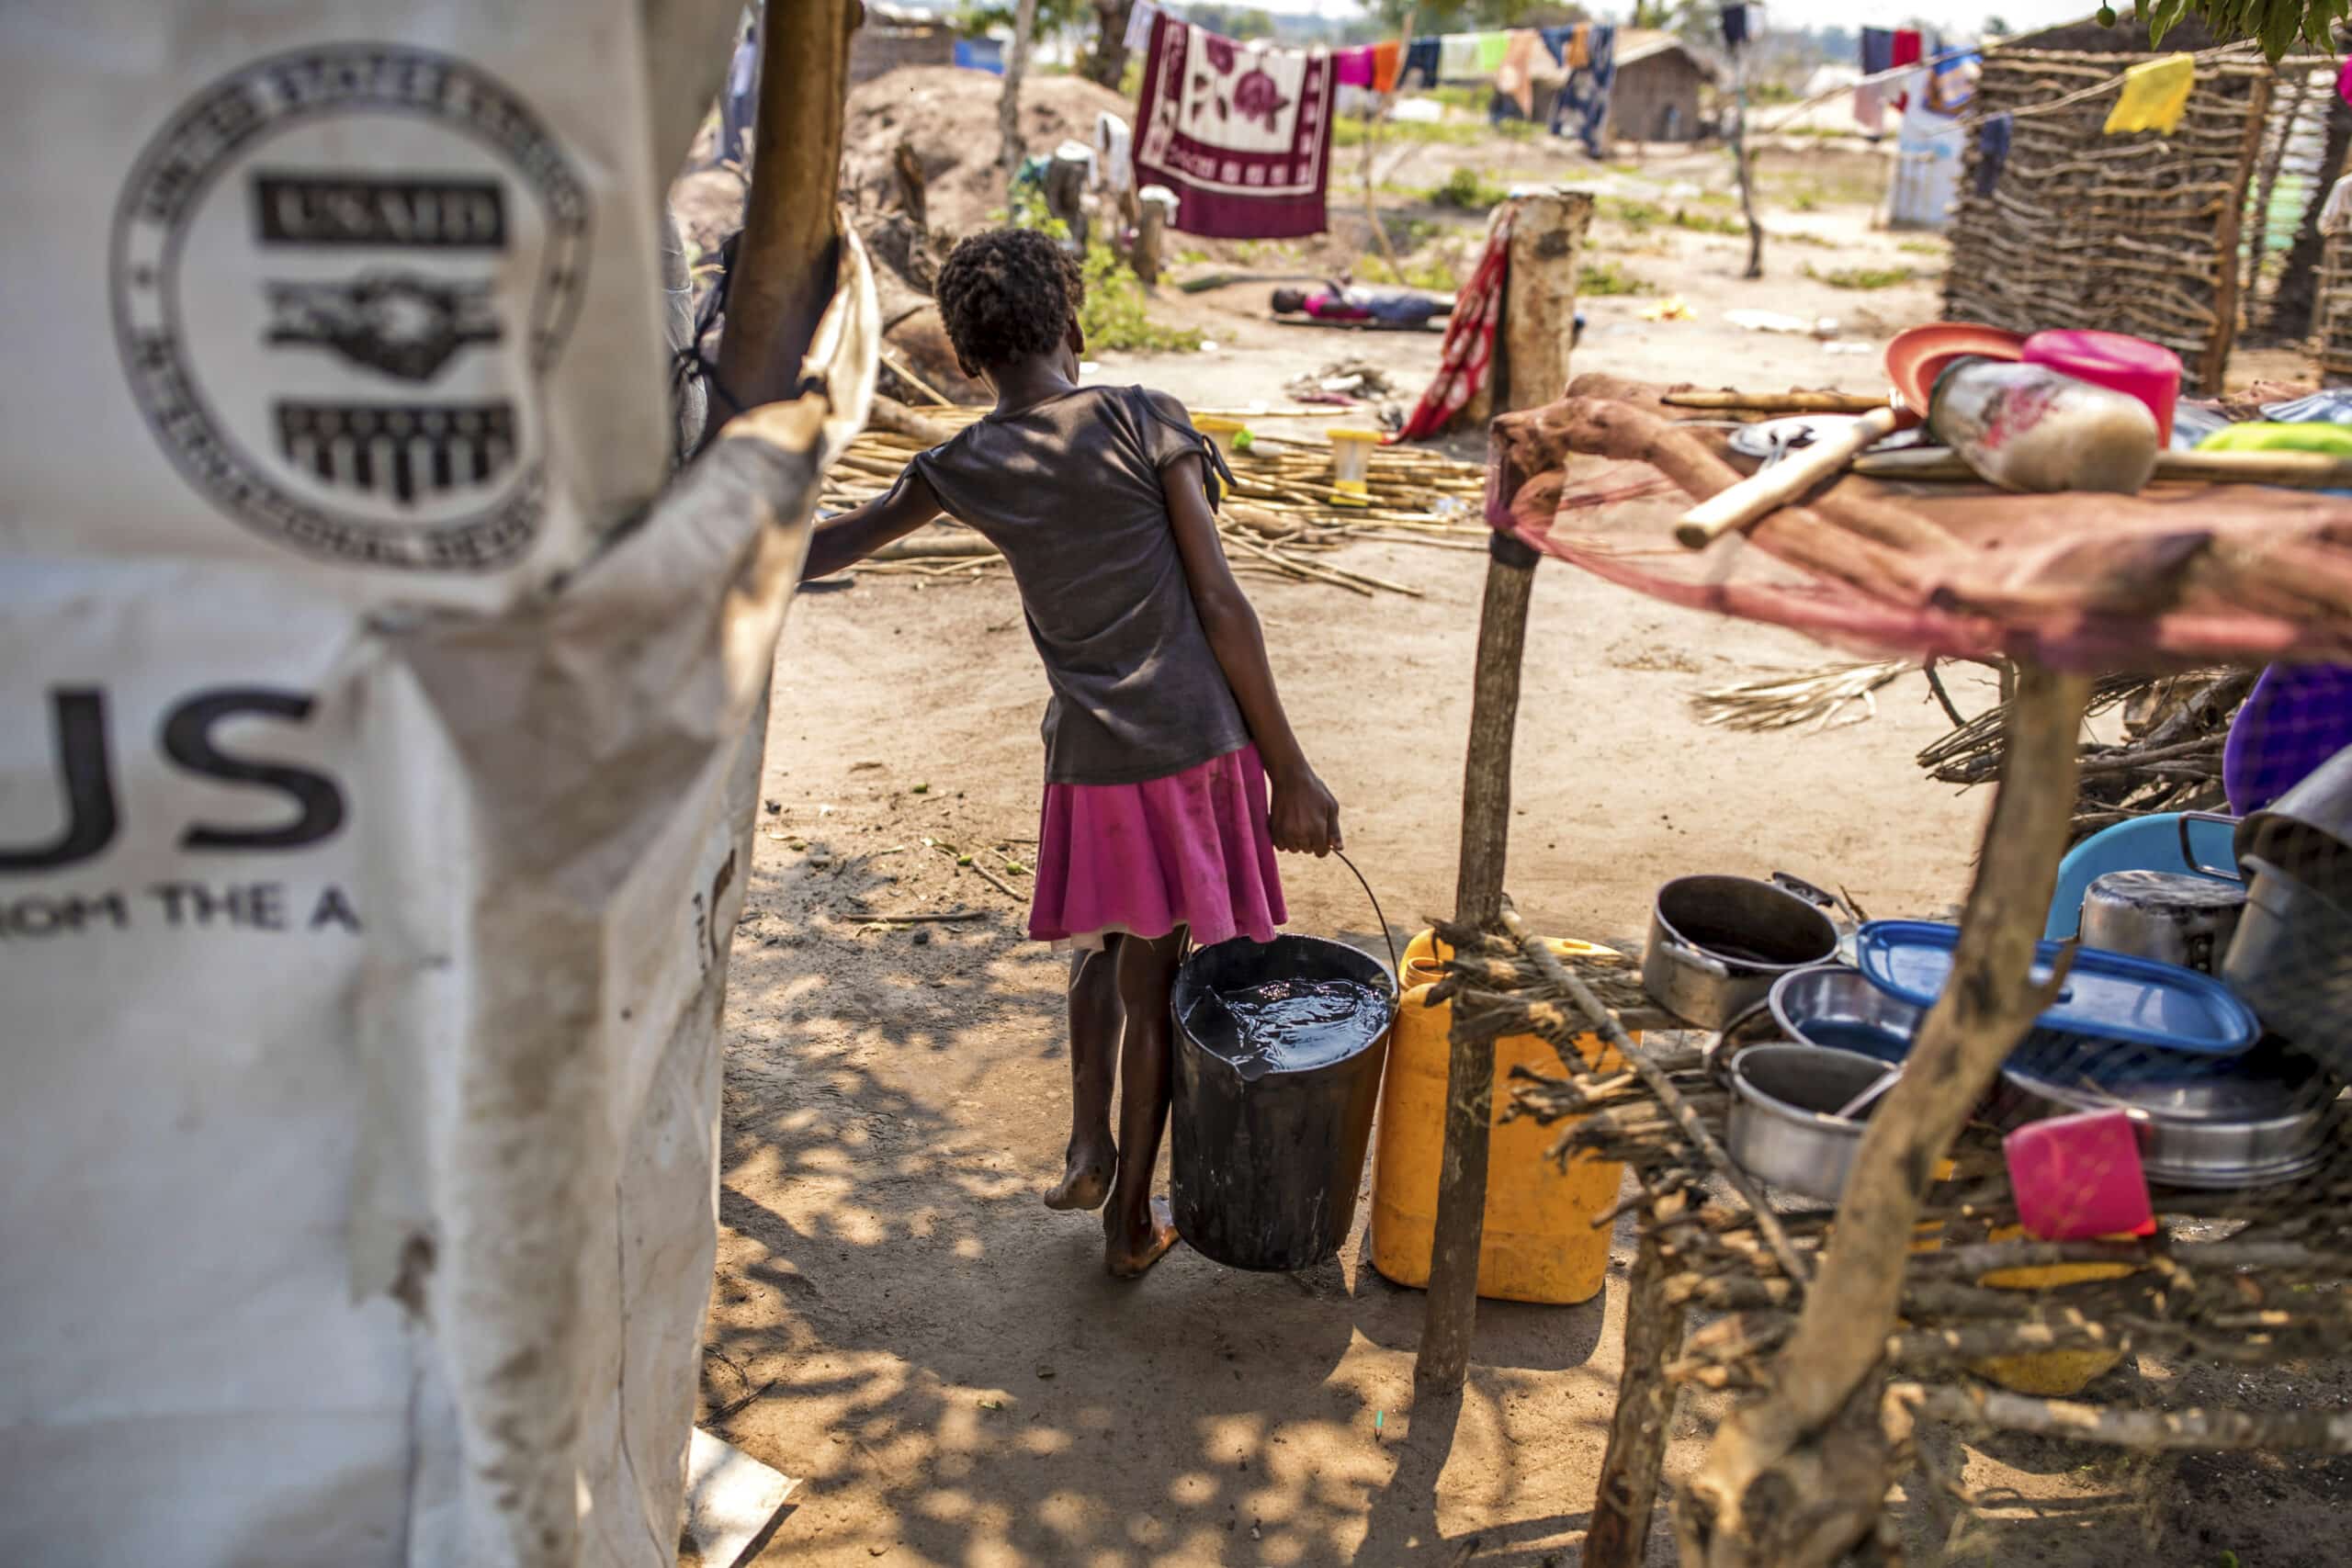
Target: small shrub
pixel 1465 188
pixel 1922 248
pixel 1434 273
pixel 1863 276
pixel 1603 279
pixel 1708 222
pixel 1115 315
pixel 1634 215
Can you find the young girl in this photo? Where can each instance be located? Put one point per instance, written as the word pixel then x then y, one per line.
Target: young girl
pixel 1164 728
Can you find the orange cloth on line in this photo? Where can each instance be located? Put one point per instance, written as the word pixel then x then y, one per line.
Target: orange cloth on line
pixel 1515 75
pixel 1385 58
pixel 1580 48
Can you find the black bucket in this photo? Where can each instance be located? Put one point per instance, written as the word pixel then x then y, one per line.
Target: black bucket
pixel 1264 1170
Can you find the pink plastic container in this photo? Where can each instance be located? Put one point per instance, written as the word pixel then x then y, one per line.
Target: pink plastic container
pixel 2145 370
pixel 2078 1177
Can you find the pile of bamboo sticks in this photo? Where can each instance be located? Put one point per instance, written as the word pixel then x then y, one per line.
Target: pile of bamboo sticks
pixel 1278 519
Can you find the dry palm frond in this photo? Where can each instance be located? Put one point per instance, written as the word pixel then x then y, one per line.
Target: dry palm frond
pixel 1792 699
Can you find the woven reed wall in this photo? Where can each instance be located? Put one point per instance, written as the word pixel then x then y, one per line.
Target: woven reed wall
pixel 2136 233
pixel 2332 321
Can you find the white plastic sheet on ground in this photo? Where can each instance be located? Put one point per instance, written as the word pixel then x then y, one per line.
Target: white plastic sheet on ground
pixel 376 778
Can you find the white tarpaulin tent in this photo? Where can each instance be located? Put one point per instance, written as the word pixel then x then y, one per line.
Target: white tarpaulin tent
pixel 376 777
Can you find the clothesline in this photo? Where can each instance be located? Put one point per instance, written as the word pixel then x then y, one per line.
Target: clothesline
pixel 2110 84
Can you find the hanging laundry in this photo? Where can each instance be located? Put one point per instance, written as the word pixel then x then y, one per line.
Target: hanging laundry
pixel 1908 46
pixel 1580 46
pixel 1515 79
pixel 1241 133
pixel 1352 67
pixel 1583 104
pixel 2155 95
pixel 1113 155
pixel 1492 48
pixel 1992 133
pixel 1457 57
pixel 1421 57
pixel 1869 99
pixel 2344 83
pixel 1385 58
pixel 1140 22
pixel 1469 346
pixel 1952 81
pixel 1735 26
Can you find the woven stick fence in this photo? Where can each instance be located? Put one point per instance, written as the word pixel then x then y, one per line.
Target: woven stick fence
pixel 2136 233
pixel 1278 519
pixel 2334 324
pixel 2237 1278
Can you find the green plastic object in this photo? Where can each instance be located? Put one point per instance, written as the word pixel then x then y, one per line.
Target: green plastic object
pixel 2328 440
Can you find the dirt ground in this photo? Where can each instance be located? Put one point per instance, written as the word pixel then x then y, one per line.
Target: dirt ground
pixel 900 1322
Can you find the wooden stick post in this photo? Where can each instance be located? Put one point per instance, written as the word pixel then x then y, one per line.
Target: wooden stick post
pixel 1007 102
pixel 1815 1435
pixel 1740 158
pixel 1629 1472
pixel 1539 321
pixel 1371 141
pixel 785 264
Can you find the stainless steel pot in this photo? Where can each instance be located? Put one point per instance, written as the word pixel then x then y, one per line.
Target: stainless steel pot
pixel 2213 1123
pixel 1716 945
pixel 2307 832
pixel 1782 1129
pixel 1834 1006
pixel 2169 916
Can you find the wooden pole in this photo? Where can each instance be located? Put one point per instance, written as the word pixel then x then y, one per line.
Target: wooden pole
pixel 1801 1440
pixel 1007 102
pixel 1637 1433
pixel 1538 325
pixel 1452 1307
pixel 785 264
pixel 1740 156
pixel 1540 297
pixel 1372 140
pixel 2213 368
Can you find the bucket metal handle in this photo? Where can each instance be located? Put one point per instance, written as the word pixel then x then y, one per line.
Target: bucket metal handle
pixel 1396 966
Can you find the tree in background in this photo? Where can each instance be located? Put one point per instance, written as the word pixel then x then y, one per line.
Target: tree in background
pixel 1106 59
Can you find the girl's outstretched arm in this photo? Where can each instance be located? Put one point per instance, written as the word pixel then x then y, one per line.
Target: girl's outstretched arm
pixel 843 541
pixel 1305 819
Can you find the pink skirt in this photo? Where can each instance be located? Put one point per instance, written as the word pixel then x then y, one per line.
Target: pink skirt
pixel 1142 859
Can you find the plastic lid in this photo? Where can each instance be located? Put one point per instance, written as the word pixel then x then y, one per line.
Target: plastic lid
pixel 2108 995
pixel 2145 370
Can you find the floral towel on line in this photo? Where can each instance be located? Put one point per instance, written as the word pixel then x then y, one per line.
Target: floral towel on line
pixel 1241 133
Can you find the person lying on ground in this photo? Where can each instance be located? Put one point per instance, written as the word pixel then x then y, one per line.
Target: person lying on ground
pixel 1164 730
pixel 1353 303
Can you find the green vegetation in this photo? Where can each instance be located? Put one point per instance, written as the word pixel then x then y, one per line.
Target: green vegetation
pixel 1642 216
pixel 1434 273
pixel 1466 189
pixel 1190 255
pixel 1924 248
pixel 1863 276
pixel 1113 315
pixel 1603 279
pixel 1798 237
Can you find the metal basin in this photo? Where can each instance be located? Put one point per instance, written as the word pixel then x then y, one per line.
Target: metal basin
pixel 1716 945
pixel 2173 917
pixel 1834 1006
pixel 2291 961
pixel 2213 1123
pixel 1782 1129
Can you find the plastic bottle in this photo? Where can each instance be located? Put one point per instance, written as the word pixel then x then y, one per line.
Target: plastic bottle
pixel 2026 428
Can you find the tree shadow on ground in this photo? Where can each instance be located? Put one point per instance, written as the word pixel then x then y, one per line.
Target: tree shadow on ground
pixel 901 1323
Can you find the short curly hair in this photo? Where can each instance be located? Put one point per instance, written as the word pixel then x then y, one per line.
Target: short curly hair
pixel 1007 294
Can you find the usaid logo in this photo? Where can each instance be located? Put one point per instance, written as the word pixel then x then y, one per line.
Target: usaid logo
pixel 340 278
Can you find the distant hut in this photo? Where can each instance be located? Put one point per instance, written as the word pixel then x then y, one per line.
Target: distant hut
pixel 1656 94
pixel 894 36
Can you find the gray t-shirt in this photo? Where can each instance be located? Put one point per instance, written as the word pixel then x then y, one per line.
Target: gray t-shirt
pixel 1068 490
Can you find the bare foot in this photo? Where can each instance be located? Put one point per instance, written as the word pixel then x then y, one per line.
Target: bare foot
pixel 1086 1179
pixel 1129 1251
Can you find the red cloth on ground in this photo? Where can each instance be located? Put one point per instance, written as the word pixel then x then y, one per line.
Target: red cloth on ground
pixel 1191 849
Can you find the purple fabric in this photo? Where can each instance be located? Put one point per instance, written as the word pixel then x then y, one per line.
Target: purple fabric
pixel 2297 717
pixel 1189 849
pixel 1241 135
pixel 1352 67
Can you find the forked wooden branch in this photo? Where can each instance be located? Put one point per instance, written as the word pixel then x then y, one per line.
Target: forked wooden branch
pixel 2205 1431
pixel 1731 1514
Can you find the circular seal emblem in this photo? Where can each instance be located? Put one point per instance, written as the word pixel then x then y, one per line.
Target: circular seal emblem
pixel 340 277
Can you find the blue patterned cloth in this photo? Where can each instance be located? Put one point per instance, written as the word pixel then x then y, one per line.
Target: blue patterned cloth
pixel 1420 55
pixel 1583 104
